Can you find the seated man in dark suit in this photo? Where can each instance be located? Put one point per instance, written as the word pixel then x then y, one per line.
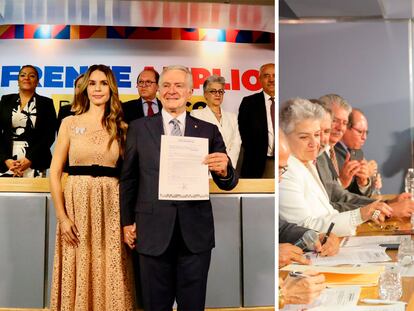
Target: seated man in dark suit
pixel 147 104
pixel 352 174
pixel 340 198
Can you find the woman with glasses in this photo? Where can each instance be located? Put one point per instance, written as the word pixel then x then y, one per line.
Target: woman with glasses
pixel 303 198
pixel 226 122
pixel 27 129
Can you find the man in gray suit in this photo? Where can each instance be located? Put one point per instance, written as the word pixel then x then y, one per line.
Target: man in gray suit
pixel 290 233
pixel 340 198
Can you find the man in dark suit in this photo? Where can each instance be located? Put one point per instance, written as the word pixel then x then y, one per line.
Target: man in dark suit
pixel 147 104
pixel 256 126
pixel 173 238
pixel 353 174
pixel 340 198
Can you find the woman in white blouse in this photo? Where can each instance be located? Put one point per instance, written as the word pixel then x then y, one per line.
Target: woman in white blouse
pixel 303 198
pixel 226 122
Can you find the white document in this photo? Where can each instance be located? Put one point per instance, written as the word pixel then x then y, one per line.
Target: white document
pixel 337 296
pixel 351 255
pixel 372 240
pixel 396 307
pixel 183 176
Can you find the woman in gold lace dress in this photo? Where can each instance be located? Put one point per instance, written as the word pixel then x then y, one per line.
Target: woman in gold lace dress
pixel 91 265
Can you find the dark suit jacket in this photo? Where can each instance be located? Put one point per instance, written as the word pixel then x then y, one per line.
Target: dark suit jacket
pixel 155 219
pixel 64 112
pixel 253 131
pixel 133 109
pixel 41 137
pixel 341 152
pixel 290 233
pixel 341 199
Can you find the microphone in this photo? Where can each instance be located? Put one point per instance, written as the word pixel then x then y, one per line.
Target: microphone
pixel 308 240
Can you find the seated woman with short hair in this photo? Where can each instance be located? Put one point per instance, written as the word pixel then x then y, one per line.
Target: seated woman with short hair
pixel 303 199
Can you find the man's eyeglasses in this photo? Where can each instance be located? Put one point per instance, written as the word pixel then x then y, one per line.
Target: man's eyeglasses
pixel 215 92
pixel 282 170
pixel 145 83
pixel 360 133
pixel 341 122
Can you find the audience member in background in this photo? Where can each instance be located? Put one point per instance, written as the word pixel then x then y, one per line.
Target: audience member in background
pixel 354 138
pixel 91 268
pixel 147 104
pixel 27 129
pixel 303 198
pixel 298 291
pixel 66 110
pixel 226 122
pixel 353 174
pixel 290 233
pixel 257 128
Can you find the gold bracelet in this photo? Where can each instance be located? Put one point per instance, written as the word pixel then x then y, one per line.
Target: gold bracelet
pixel 281 299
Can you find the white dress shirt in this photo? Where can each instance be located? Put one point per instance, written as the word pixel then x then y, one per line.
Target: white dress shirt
pixel 228 127
pixel 270 132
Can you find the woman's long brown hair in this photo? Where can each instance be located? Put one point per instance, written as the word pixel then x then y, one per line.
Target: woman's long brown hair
pixel 112 119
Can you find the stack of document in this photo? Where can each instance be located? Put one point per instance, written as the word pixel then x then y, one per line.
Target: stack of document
pixel 351 255
pixel 355 241
pixel 396 307
pixel 334 276
pixel 333 297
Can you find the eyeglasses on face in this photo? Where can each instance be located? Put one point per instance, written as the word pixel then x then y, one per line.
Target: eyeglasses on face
pixel 339 121
pixel 215 92
pixel 282 170
pixel 145 83
pixel 360 133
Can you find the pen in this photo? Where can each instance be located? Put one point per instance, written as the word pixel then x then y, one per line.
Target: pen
pixel 380 301
pixel 298 274
pixel 328 233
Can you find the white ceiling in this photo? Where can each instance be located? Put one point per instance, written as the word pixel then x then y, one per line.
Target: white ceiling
pixel 225 14
pixel 384 9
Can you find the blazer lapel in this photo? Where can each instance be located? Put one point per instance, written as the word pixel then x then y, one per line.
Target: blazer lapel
pixel 191 126
pixel 155 128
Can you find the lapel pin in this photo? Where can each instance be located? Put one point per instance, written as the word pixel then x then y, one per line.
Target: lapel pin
pixel 195 126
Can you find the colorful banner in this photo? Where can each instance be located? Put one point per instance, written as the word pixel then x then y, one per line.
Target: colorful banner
pixel 59 62
pixel 139 33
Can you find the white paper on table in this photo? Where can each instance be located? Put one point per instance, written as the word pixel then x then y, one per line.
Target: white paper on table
pixel 351 255
pixel 183 176
pixel 395 307
pixel 352 241
pixel 337 296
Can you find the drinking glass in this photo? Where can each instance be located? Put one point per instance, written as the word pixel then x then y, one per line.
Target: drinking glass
pixel 390 284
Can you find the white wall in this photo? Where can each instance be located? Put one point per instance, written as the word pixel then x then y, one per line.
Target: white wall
pixel 368 63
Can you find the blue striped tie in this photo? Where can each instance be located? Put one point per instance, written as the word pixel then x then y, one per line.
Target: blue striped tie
pixel 176 131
